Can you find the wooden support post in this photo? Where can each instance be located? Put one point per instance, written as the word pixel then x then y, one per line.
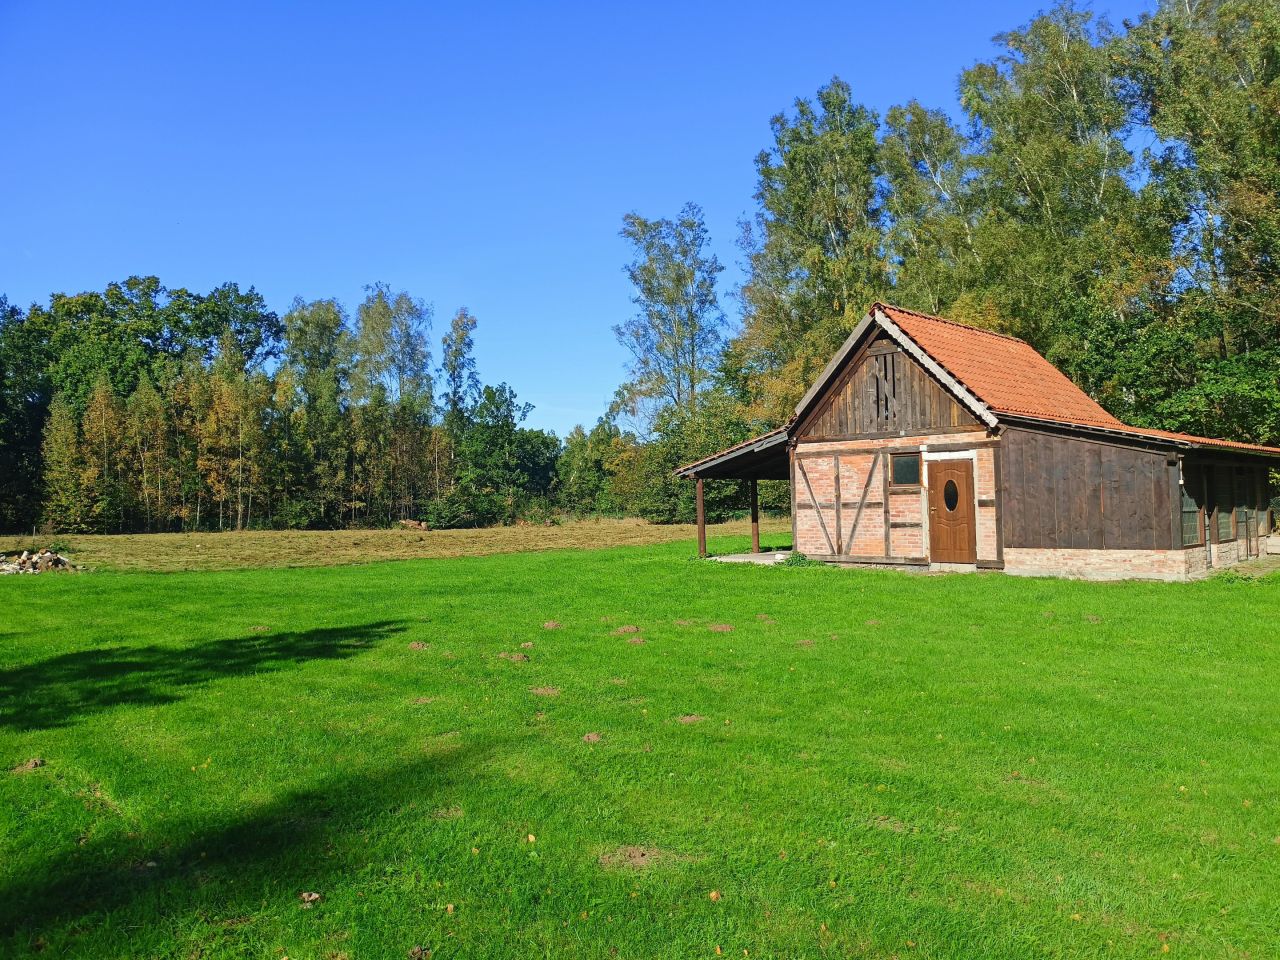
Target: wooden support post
pixel 702 522
pixel 755 517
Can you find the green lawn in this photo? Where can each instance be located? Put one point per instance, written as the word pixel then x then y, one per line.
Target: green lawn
pixel 884 765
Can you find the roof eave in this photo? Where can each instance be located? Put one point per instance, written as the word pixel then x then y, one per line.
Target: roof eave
pixel 756 445
pixel 1123 433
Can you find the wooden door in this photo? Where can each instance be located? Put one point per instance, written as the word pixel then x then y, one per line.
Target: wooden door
pixel 953 529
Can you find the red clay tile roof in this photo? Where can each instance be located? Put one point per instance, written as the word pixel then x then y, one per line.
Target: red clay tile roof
pixel 1003 372
pixel 1009 376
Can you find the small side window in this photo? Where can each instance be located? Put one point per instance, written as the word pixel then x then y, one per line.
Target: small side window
pixel 905 469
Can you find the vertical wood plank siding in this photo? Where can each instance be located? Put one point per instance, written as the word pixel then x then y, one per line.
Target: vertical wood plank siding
pixel 1060 492
pixel 883 392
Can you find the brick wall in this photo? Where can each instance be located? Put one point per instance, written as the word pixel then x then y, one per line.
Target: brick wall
pixel 1084 564
pixel 1081 564
pixel 864 480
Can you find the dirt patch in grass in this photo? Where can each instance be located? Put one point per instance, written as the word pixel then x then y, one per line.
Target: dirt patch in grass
pixel 627 628
pixel 591 738
pixel 690 718
pixel 418 645
pixel 423 701
pixel 552 625
pixel 514 657
pixel 447 813
pixel 721 628
pixel 634 858
pixel 804 643
pixel 872 623
pixel 618 681
pixel 683 623
pixel 892 824
pixel 527 645
pixel 635 640
pixel 259 629
pixel 545 691
pixel 765 618
pixel 35 763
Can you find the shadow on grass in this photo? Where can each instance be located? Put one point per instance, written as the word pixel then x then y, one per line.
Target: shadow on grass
pixel 60 690
pixel 205 879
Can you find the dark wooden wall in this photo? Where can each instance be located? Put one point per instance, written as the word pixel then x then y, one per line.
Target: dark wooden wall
pixel 884 393
pixel 1061 492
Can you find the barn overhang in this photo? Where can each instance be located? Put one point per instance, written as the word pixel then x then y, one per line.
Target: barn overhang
pixel 760 458
pixel 766 457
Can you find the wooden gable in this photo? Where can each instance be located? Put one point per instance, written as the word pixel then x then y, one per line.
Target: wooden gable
pixel 883 392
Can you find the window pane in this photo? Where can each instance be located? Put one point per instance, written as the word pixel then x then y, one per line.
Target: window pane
pixel 1190 528
pixel 1192 494
pixel 906 469
pixel 1223 501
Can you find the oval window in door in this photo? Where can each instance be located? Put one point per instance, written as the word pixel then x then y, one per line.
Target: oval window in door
pixel 951 496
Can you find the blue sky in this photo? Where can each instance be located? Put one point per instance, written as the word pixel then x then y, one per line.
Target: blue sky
pixel 473 155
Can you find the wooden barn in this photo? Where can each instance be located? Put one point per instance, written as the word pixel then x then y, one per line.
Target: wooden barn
pixel 928 443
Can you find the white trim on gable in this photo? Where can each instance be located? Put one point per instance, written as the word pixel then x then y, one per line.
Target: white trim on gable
pixel 878 318
pixel 957 389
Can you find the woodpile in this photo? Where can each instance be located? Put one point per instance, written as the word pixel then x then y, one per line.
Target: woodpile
pixel 28 562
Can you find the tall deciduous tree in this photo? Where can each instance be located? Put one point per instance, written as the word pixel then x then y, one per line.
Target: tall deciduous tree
pixel 64 507
pixel 1204 76
pixel 459 381
pixel 816 252
pixel 104 487
pixel 676 336
pixel 318 353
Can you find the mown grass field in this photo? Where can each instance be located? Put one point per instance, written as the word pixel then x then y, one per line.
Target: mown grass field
pixel 253 549
pixel 867 764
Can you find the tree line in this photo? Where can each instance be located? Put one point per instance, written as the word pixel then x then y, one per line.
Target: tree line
pixel 143 408
pixel 1112 196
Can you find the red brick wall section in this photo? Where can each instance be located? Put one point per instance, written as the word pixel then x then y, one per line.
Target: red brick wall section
pixel 865 539
pixel 1188 564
